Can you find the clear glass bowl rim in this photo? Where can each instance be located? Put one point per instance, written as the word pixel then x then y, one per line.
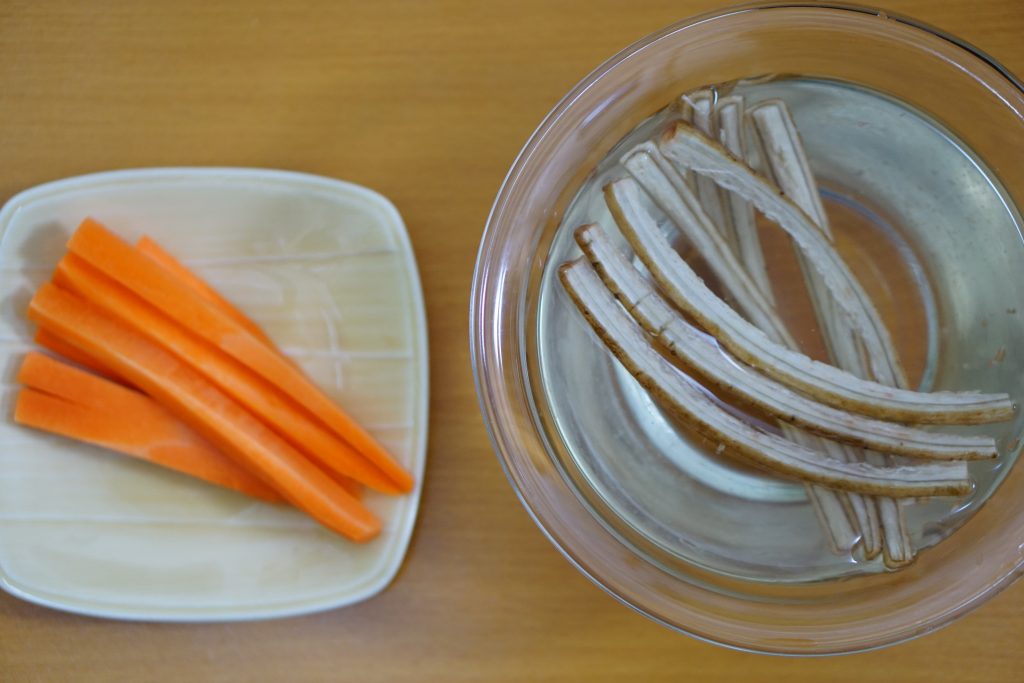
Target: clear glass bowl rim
pixel 481 351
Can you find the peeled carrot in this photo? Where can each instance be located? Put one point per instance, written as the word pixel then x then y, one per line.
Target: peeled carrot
pixel 304 433
pixel 54 343
pixel 150 248
pixel 354 488
pixel 49 340
pixel 203 407
pixel 156 437
pixel 57 378
pixel 122 263
pixel 64 400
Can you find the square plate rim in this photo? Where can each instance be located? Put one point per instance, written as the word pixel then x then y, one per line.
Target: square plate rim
pixel 307 181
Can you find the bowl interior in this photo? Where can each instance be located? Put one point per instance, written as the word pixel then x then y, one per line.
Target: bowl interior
pixel 954 247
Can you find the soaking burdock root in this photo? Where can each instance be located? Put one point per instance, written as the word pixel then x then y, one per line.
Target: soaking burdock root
pixel 846 428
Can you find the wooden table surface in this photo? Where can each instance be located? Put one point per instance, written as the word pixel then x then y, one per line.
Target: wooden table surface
pixel 427 102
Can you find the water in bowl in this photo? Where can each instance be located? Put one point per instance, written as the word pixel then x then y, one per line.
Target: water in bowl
pixel 935 241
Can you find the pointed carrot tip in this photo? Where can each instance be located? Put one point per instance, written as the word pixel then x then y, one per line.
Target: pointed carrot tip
pixel 365 535
pixel 403 482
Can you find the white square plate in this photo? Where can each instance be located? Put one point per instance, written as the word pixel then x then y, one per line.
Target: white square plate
pixel 326 268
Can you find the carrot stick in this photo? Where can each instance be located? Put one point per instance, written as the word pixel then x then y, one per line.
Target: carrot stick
pixel 124 421
pixel 150 248
pixel 354 488
pixel 54 343
pixel 203 407
pixel 122 263
pixel 159 438
pixel 50 341
pixel 304 433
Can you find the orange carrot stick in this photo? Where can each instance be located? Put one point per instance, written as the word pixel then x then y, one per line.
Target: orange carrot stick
pixel 54 343
pixel 203 407
pixel 124 420
pixel 122 263
pixel 150 248
pixel 304 433
pixel 157 437
pixel 146 431
pixel 354 488
pixel 50 341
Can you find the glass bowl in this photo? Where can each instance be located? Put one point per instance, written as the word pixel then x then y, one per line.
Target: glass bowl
pixel 970 263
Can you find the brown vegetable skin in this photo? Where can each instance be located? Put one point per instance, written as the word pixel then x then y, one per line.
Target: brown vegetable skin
pixel 825 383
pixel 701 355
pixel 687 400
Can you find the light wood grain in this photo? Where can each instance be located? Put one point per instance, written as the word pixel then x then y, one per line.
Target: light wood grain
pixel 427 102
